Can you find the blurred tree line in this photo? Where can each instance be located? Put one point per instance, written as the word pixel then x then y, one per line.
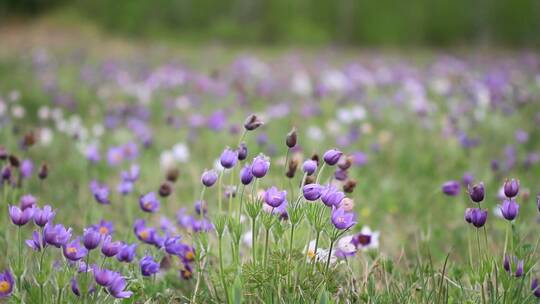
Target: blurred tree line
pixel 352 22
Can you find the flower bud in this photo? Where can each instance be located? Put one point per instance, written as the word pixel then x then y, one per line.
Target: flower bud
pixel 165 189
pixel 14 161
pixel 511 188
pixel 477 192
pixel 172 174
pixel 349 186
pixel 252 122
pixel 43 171
pixel 291 139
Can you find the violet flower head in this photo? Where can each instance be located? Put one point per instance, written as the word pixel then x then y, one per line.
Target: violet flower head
pixel 535 289
pixel 117 288
pixel 75 287
pixel 228 158
pixel 73 250
pixel 127 253
pixel 274 197
pixel 331 157
pixel 242 152
pixel 342 220
pixel 56 235
pixel 509 209
pixel 209 178
pixel 478 217
pixel 312 192
pixel 91 238
pixel 174 246
pixel 518 265
pixel 44 215
pixel 511 188
pixel 477 192
pixel 331 196
pixel 104 227
pixel 104 277
pixel 6 284
pixel 92 154
pixel 27 201
pixel 149 202
pixel 451 188
pixel 26 168
pixel 110 248
pixel 148 266
pixel 35 243
pixel 467 179
pixel 260 166
pixel 100 192
pixel 20 217
pixel 309 166
pixel 245 175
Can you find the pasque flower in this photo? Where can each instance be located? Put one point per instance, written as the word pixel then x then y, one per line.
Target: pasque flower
pixel 228 158
pixel 127 253
pixel 451 188
pixel 148 266
pixel 104 227
pixel 56 235
pixel 331 157
pixel 312 192
pixel 535 289
pixel 149 202
pixel 35 243
pixel 260 166
pixel 44 215
pixel 511 188
pixel 477 192
pixel 274 197
pixel 104 277
pixel 518 264
pixel 242 151
pixel 509 209
pixel 245 175
pixel 342 220
pixel 209 178
pixel 6 284
pixel 309 166
pixel 110 248
pixel 91 238
pixel 252 122
pixel 331 196
pixel 117 288
pixel 20 217
pixel 73 250
pixel 476 216
pixel 27 201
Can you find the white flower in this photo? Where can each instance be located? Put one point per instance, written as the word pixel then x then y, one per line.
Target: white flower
pixel 45 136
pixel 346 246
pixel 217 166
pixel 166 160
pixel 373 239
pixel 497 211
pixel 18 111
pixel 180 152
pixel 98 130
pixel 322 254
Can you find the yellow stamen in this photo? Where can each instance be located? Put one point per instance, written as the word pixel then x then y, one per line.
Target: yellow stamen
pixel 145 235
pixel 311 254
pixel 103 230
pixel 190 256
pixel 5 286
pixel 71 250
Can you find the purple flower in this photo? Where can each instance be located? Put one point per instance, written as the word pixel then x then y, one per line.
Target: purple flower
pixel 477 192
pixel 43 216
pixel 56 235
pixel 260 166
pixel 245 175
pixel 331 157
pixel 104 277
pixel 242 152
pixel 341 175
pixel 511 188
pixel 117 286
pixel 331 196
pixel 174 246
pixel 209 178
pixel 110 248
pixel 131 175
pixel 127 253
pixel 535 289
pixel 476 216
pixel 228 158
pixel 19 217
pixel 309 167
pixel 6 284
pixel 519 264
pixel 342 220
pixel 91 238
pixel 312 192
pixel 75 287
pixel 100 192
pixel 201 207
pixel 35 243
pixel 274 197
pixel 27 201
pixel 148 266
pixel 149 202
pixel 92 154
pixel 187 272
pixel 467 179
pixel 73 250
pixel 125 187
pixel 509 209
pixel 115 156
pixel 104 227
pixel 26 168
pixel 451 188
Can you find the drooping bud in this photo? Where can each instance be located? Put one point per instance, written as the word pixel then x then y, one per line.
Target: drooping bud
pixel 291 139
pixel 293 165
pixel 252 122
pixel 172 174
pixel 14 161
pixel 349 186
pixel 165 189
pixel 43 171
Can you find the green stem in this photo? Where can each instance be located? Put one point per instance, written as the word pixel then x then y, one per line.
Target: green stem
pixel 219 191
pixel 231 181
pixel 253 239
pixel 241 203
pixel 266 247
pixel 20 271
pixel 221 272
pixel 329 255
pixel 318 234
pixel 320 173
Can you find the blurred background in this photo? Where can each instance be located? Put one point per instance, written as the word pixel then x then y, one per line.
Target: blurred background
pixel 439 23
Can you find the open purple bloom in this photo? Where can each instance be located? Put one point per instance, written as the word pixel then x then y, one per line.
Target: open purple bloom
pixel 260 166
pixel 331 196
pixel 149 202
pixel 312 192
pixel 117 288
pixel 73 250
pixel 27 201
pixel 331 157
pixel 100 192
pixel 127 253
pixel 19 217
pixel 274 197
pixel 451 188
pixel 35 243
pixel 174 246
pixel 6 284
pixel 104 277
pixel 148 266
pixel 104 227
pixel 44 215
pixel 228 158
pixel 342 220
pixel 131 175
pixel 115 156
pixel 509 209
pixel 110 248
pixel 56 235
pixel 209 178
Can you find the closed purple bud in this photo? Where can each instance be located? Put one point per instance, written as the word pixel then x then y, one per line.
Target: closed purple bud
pixel 511 188
pixel 228 158
pixel 91 238
pixel 309 166
pixel 245 175
pixel 260 166
pixel 110 248
pixel 274 197
pixel 519 269
pixel 509 209
pixel 331 157
pixel 291 139
pixel 312 192
pixel 477 192
pixel 20 217
pixel 506 263
pixel 468 215
pixel 535 289
pixel 331 196
pixel 478 217
pixel 209 178
pixel 242 152
pixel 451 188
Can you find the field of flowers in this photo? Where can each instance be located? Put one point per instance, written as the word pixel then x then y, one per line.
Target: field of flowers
pixel 141 174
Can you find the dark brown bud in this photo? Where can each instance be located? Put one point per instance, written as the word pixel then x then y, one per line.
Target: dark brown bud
pixel 29 139
pixel 165 189
pixel 293 165
pixel 315 157
pixel 345 163
pixel 291 139
pixel 349 186
pixel 43 171
pixel 310 179
pixel 14 161
pixel 172 174
pixel 252 122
